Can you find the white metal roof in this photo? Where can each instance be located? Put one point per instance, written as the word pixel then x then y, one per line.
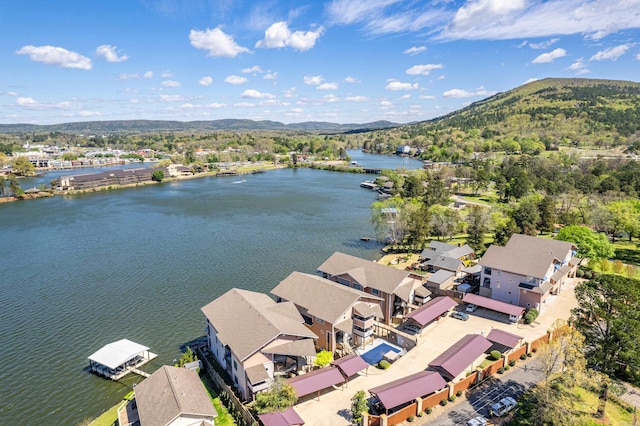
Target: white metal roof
pixel 117 353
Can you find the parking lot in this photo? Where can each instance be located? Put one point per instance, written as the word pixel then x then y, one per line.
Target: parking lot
pixel 333 407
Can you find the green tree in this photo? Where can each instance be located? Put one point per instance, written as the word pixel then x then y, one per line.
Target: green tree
pixel 358 406
pixel 504 228
pixel 157 176
pixel 478 220
pixel 22 166
pixel 279 397
pixel 436 191
pixel 388 220
pixel 444 221
pixel 527 216
pixel 592 245
pixel 608 317
pixel 323 358
pixel 413 187
pixel 547 210
pixel 187 357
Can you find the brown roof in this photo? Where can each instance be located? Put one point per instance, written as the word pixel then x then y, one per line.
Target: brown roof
pixel 288 417
pixel 257 374
pixel 408 388
pixel 367 310
pixel 423 291
pixel 431 310
pixel 458 357
pixel 169 392
pixel 365 272
pixel 247 321
pixel 494 305
pixel 350 364
pixel 322 298
pixel 526 255
pixel 301 347
pixel 504 338
pixel 316 381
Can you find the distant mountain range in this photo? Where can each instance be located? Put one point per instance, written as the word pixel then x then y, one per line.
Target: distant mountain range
pixel 148 126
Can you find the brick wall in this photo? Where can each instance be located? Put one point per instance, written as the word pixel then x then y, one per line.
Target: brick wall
pixel 465 383
pixel 403 414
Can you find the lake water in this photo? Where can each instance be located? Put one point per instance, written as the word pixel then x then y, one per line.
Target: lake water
pixel 82 271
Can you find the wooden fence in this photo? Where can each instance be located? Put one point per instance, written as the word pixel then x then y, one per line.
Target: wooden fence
pixel 403 414
pixel 223 387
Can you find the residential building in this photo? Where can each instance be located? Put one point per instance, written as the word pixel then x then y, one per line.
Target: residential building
pixel 526 270
pixel 396 287
pixel 256 339
pixel 341 316
pixel 171 396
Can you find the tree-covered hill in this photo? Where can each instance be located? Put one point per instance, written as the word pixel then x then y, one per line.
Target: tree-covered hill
pixel 537 116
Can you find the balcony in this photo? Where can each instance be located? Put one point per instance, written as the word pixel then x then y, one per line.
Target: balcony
pixel 363 323
pixel 363 333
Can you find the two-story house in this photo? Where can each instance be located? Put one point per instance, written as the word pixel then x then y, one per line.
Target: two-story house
pixel 526 270
pixel 396 287
pixel 255 339
pixel 341 316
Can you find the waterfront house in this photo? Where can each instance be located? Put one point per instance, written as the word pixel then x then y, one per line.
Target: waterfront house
pixel 171 396
pixel 255 339
pixel 526 270
pixel 396 287
pixel 449 250
pixel 341 316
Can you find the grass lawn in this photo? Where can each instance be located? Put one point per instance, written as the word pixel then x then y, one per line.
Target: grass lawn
pixel 587 404
pixel 627 252
pixel 108 418
pixel 486 362
pixel 224 417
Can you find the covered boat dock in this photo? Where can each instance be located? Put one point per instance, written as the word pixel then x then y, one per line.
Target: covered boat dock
pixel 120 358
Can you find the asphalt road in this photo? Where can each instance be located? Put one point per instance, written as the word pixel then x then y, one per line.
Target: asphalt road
pixel 479 400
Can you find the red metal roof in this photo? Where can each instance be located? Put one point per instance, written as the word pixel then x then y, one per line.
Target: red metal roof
pixel 504 338
pixel 350 364
pixel 316 381
pixel 432 310
pixel 494 305
pixel 408 388
pixel 458 357
pixel 288 417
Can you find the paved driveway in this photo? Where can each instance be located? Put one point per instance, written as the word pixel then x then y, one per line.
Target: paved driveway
pixel 333 407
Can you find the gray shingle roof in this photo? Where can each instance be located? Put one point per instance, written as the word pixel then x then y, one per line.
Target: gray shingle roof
pixel 365 272
pixel 445 262
pixel 448 250
pixel 169 392
pixel 526 255
pixel 440 276
pixel 247 321
pixel 322 298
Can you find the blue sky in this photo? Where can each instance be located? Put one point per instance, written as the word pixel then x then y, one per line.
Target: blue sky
pixel 345 61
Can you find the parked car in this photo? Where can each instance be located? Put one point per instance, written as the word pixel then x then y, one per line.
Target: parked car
pixel 503 406
pixel 471 307
pixel 459 315
pixel 412 329
pixel 477 421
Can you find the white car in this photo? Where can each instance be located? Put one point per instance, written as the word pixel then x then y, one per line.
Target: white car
pixel 471 307
pixel 503 406
pixel 477 421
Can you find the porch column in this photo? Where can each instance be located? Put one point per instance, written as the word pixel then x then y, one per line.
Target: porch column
pixel 384 421
pixel 418 405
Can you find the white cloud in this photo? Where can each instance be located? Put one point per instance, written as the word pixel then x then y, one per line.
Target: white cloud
pixel 611 53
pixel 171 83
pixel 125 76
pixel 57 56
pixel 543 44
pixel 638 56
pixel 108 53
pixel 216 43
pixel 550 56
pixel 86 113
pixel 414 50
pixel 385 104
pixel 254 94
pixel 11 93
pixel 270 76
pixel 235 80
pixel 427 97
pixel 214 105
pixel 32 104
pixel 396 85
pixel 205 81
pixel 356 98
pixel 290 93
pixel 328 86
pixel 148 74
pixel 531 80
pixel 330 98
pixel 244 104
pixel 350 79
pixel 278 35
pixel 166 74
pixel 253 69
pixel 403 97
pixel 313 80
pixel 423 69
pixel 172 98
pixel 579 67
pixel 462 93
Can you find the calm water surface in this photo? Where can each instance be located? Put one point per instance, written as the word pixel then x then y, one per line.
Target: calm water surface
pixel 82 271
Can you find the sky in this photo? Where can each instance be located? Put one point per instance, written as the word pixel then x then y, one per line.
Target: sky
pixel 342 61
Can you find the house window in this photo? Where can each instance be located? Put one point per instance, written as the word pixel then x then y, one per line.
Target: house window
pixel 319 321
pixel 486 283
pixel 235 379
pixel 235 365
pixel 343 281
pixel 375 292
pixel 487 271
pixel 357 287
pixel 307 319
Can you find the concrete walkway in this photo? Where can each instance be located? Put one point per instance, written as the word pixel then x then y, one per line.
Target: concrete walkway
pixel 333 408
